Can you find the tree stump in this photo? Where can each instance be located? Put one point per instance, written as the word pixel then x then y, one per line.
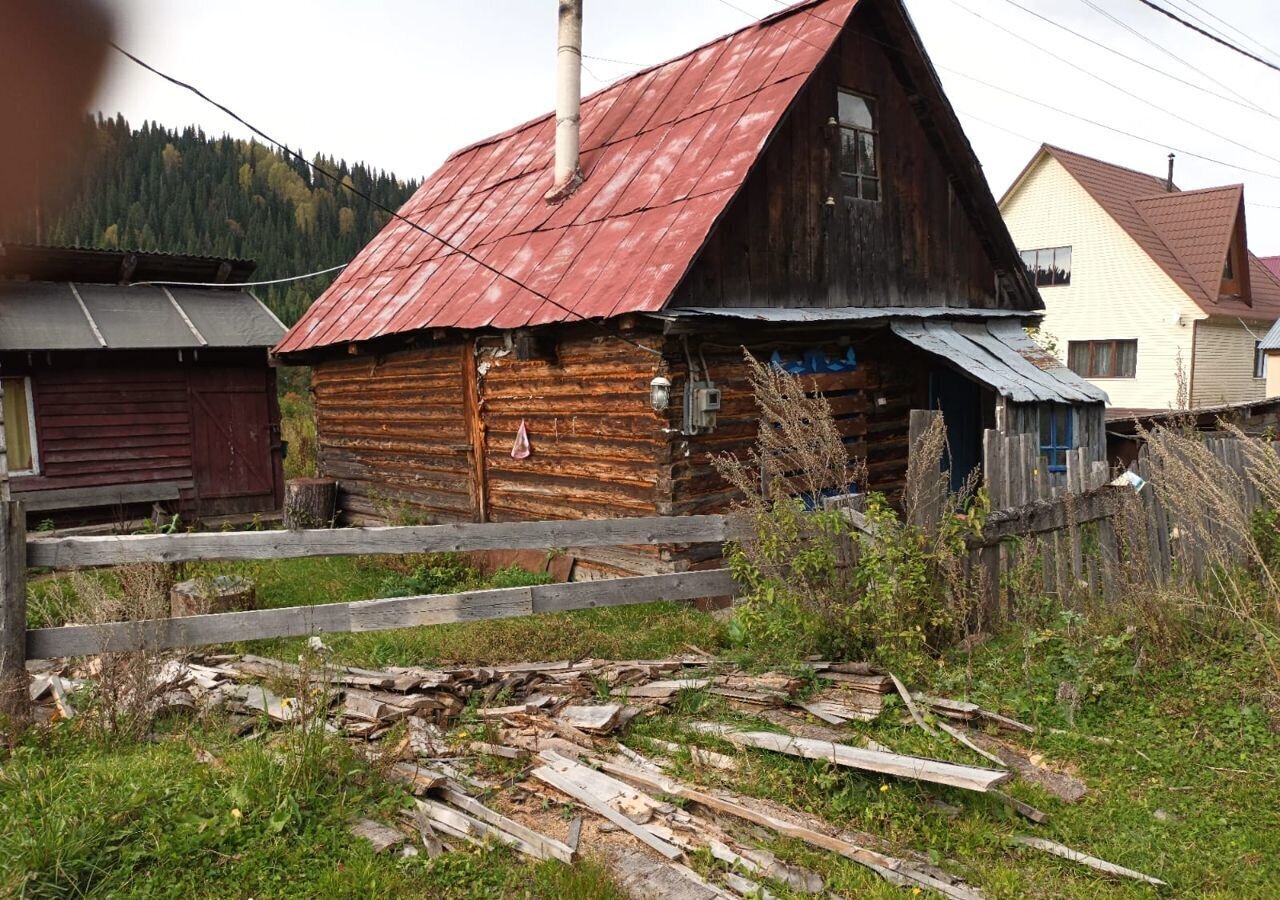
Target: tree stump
pixel 222 593
pixel 310 502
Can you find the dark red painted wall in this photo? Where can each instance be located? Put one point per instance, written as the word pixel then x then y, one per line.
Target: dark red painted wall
pixel 132 417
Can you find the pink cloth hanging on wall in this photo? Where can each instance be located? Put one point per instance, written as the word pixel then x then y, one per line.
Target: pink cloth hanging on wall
pixel 521 449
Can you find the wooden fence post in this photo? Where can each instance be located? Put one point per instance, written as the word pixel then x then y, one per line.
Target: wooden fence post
pixel 14 699
pixel 987 569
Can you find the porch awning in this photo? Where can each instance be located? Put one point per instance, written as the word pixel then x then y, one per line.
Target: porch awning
pixel 999 354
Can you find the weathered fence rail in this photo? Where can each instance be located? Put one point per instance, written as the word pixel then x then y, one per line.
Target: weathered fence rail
pixel 17 553
pixel 111 550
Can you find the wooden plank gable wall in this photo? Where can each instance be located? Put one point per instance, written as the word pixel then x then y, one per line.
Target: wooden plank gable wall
pixel 780 244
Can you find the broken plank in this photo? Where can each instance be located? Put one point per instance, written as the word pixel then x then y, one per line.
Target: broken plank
pixel 458 824
pixel 915 767
pixel 591 718
pixel 418 779
pixel 894 870
pixel 497 750
pixel 567 784
pixel 382 837
pixel 872 684
pixel 962 738
pixel 1085 859
pixel 545 847
pixel 911 706
pixel 661 690
pixel 1026 810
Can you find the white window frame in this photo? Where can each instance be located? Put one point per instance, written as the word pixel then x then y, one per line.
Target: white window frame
pixel 1259 361
pixel 31 429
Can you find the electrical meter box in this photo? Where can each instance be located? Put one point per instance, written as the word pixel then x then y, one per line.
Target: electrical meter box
pixel 701 403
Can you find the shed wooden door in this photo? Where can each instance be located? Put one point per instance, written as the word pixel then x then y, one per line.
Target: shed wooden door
pixel 231 433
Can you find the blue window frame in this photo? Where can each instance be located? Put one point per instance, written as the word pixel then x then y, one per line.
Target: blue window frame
pixel 1056 435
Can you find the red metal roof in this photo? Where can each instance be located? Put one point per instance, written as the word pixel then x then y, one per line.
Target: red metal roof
pixel 1187 233
pixel 663 151
pixel 1272 263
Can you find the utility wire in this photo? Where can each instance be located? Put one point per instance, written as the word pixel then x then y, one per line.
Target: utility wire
pixel 240 284
pixel 1167 52
pixel 1111 84
pixel 1243 104
pixel 371 201
pixel 1032 100
pixel 1213 37
pixel 1217 18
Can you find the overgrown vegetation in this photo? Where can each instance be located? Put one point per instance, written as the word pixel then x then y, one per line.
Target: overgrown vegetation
pixel 814 579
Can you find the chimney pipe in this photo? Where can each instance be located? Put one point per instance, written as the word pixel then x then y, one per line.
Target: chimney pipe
pixel 568 100
pixel 1168 185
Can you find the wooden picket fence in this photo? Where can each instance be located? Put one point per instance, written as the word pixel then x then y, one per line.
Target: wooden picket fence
pixel 1087 536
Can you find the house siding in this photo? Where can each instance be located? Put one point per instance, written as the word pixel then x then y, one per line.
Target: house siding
pixel 1116 292
pixel 1224 364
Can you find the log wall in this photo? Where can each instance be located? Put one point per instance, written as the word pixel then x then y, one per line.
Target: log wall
pixel 392 430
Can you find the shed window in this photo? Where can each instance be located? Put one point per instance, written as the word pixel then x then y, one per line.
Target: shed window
pixel 1103 359
pixel 859 140
pixel 19 427
pixel 1056 435
pixel 1049 266
pixel 1259 360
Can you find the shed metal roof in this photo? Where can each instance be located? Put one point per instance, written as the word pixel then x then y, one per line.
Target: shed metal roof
pixel 1000 355
pixel 47 315
pixel 799 315
pixel 1271 340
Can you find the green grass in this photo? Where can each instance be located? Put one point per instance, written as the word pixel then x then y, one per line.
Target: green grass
pixel 1196 737
pixel 1193 738
pixel 83 819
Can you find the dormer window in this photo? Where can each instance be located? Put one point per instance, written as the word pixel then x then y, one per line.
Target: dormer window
pixel 859 166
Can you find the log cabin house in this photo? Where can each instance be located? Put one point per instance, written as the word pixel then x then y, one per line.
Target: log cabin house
pixel 119 396
pixel 801 188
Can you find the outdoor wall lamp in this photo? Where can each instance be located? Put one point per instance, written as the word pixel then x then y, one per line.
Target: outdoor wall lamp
pixel 660 393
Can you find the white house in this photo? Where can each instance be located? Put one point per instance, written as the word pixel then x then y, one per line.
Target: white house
pixel 1150 292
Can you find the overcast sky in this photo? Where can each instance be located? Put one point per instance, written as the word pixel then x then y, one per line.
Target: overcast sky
pixel 401 83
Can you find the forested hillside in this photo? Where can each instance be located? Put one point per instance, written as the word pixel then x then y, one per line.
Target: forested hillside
pixel 156 188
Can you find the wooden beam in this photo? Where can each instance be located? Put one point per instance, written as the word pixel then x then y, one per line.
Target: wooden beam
pixel 371 615
pixel 915 767
pixel 112 550
pixel 473 418
pixel 107 495
pixel 1041 516
pixel 14 699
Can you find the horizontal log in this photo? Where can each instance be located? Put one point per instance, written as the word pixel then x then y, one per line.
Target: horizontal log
pixel 111 550
pixel 1049 515
pixel 372 615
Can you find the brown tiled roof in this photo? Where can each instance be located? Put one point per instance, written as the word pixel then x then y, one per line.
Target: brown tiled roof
pixel 1272 263
pixel 1187 233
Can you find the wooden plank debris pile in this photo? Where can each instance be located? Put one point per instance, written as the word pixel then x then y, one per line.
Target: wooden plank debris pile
pixel 554 729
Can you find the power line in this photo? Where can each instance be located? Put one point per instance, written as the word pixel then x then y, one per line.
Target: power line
pixel 240 284
pixel 1111 84
pixel 370 200
pixel 1167 52
pixel 1213 37
pixel 1217 18
pixel 1138 62
pixel 1033 101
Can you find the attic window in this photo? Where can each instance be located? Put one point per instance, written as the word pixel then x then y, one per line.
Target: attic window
pixel 859 167
pixel 1049 266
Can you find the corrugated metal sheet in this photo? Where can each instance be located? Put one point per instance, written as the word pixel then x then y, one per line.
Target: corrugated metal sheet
pixel 40 315
pixel 859 314
pixel 663 151
pixel 1001 356
pixel 1271 341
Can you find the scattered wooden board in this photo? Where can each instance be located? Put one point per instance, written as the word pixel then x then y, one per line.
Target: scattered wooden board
pixel 661 690
pixel 874 684
pixel 600 719
pixel 916 767
pixel 382 837
pixel 894 870
pixel 545 847
pixel 1085 860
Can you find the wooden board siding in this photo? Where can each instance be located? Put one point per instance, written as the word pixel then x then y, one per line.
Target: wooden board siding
pixel 779 244
pixel 127 419
pixel 597 443
pixel 871 405
pixel 110 426
pixel 392 430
